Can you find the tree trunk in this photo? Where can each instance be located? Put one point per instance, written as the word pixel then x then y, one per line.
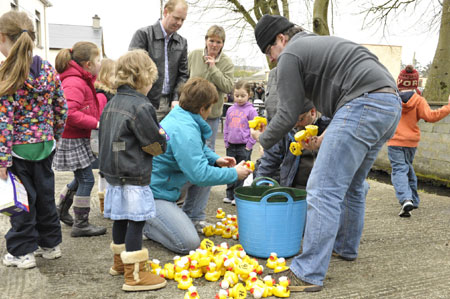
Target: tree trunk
pixel 320 17
pixel 437 88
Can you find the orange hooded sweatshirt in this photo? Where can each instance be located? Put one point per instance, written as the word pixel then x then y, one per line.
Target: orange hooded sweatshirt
pixel 408 132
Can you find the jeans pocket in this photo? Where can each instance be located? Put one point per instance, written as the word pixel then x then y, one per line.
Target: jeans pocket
pixel 375 124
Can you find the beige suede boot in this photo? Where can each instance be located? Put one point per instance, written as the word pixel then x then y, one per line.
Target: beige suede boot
pixel 117 267
pixel 136 278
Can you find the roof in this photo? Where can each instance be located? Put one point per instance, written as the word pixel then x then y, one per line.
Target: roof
pixel 63 36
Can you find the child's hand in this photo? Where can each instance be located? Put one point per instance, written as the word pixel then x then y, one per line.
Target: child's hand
pixel 174 104
pixel 242 171
pixel 255 134
pixel 226 162
pixel 3 174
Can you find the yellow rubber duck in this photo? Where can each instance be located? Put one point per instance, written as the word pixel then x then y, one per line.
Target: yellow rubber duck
pixel 212 274
pixel 192 293
pixel 168 272
pixel 223 294
pixel 260 290
pixel 230 279
pixel 282 288
pixel 281 265
pixel 251 280
pixel 220 214
pixel 194 270
pixel 227 232
pixel 208 230
pixel 269 282
pixel 207 244
pixel 155 266
pixel 243 270
pixel 272 260
pixel 237 292
pixel 204 258
pixel 219 229
pixel 185 281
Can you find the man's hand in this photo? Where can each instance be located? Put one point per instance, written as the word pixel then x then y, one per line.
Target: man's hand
pixel 3 173
pixel 242 171
pixel 226 162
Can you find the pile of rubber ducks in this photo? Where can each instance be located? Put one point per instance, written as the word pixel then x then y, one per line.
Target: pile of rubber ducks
pixel 227 228
pixel 238 271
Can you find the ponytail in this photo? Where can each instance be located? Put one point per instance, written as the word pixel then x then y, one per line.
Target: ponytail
pixel 80 52
pixel 18 28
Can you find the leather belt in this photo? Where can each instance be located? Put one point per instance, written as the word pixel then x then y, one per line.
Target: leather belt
pixel 385 90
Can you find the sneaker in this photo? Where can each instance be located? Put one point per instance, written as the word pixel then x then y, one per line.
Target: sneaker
pixel 335 254
pixel 26 261
pixel 227 200
pixel 48 253
pixel 233 202
pixel 407 206
pixel 199 225
pixel 296 284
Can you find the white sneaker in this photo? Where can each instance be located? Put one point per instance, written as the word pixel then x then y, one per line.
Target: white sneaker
pixel 227 200
pixel 22 262
pixel 48 253
pixel 233 202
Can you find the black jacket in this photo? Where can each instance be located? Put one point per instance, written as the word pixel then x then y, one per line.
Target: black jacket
pixel 151 39
pixel 129 138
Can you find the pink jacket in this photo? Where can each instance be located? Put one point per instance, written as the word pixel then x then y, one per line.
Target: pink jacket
pixel 84 110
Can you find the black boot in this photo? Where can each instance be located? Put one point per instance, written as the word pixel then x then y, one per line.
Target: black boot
pixel 65 202
pixel 82 227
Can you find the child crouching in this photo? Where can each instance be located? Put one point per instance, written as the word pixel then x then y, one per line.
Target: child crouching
pixel 129 138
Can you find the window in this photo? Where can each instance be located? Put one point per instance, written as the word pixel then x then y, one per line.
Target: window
pixel 38 29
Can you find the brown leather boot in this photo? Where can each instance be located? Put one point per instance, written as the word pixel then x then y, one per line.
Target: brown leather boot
pixel 101 201
pixel 117 268
pixel 136 278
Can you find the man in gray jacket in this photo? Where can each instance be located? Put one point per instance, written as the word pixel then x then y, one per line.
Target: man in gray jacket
pixel 347 83
pixel 168 50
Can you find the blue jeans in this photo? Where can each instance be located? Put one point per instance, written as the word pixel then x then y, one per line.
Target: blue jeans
pixel 336 188
pixel 238 152
pixel 403 176
pixel 214 124
pixel 197 197
pixel 83 181
pixel 172 228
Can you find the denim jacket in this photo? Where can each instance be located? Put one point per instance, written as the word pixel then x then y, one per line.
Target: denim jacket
pixel 151 39
pixel 129 138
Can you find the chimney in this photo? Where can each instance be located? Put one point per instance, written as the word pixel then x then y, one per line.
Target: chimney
pixel 96 22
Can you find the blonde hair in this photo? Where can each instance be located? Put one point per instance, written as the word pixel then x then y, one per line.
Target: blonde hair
pixel 107 68
pixel 18 28
pixel 170 5
pixel 197 93
pixel 216 30
pixel 136 69
pixel 80 52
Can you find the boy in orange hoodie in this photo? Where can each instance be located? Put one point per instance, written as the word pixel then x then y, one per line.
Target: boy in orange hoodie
pixel 402 146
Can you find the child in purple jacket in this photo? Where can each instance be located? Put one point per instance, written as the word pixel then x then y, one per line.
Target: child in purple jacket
pixel 236 134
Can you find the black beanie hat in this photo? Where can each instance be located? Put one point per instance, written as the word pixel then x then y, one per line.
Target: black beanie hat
pixel 268 28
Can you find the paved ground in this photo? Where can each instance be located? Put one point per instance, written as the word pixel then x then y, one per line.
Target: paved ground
pixel 399 258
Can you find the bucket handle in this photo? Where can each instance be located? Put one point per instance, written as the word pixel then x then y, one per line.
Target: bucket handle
pixel 274 192
pixel 264 180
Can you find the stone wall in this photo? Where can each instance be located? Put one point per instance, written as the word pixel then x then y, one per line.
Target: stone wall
pixel 432 160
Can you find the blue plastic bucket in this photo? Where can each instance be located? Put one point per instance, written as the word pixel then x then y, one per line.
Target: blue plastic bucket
pixel 274 223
